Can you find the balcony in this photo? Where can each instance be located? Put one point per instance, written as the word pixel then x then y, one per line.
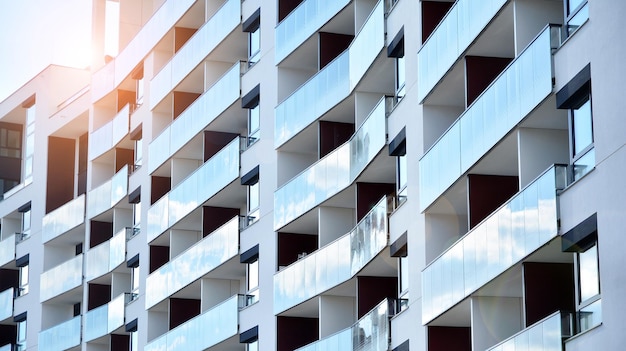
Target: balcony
pixel 105 257
pixel 201 258
pixel 7 250
pixel 6 304
pixel 206 181
pixel 545 335
pixel 107 195
pixel 519 227
pixel 333 173
pixel 196 117
pixel 203 42
pixel 206 330
pixel 61 279
pixel 63 219
pixel 334 263
pixel 304 21
pixel 371 332
pixel 458 29
pixel 61 337
pixel 110 76
pixel 7 347
pixel 333 83
pixel 104 319
pixel 109 135
pixel 523 85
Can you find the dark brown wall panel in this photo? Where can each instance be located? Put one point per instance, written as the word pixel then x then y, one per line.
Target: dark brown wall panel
pixel 294 332
pixel 449 338
pixel 215 141
pixel 290 245
pixel 160 186
pixel 481 71
pixel 8 334
pixel 181 36
pixel 182 100
pixel 99 295
pixel 60 180
pixel 100 232
pixel 159 255
pixel 368 194
pixel 331 45
pixel 123 157
pixel 215 217
pixel 125 97
pixel 548 287
pixel 332 135
pixel 120 342
pixel 488 192
pixel 285 7
pixel 182 310
pixel 9 278
pixel 83 159
pixel 432 14
pixel 372 290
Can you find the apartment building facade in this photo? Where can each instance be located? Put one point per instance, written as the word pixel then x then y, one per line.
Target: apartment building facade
pixel 321 175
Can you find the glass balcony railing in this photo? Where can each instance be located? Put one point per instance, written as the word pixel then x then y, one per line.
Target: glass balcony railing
pixel 333 83
pixel 62 278
pixel 206 330
pixel 512 232
pixel 215 174
pixel 64 218
pixel 105 319
pixel 196 117
pixel 107 195
pixel 370 333
pixel 333 173
pixel 106 137
pixel 454 34
pixel 7 347
pixel 63 336
pixel 205 40
pixel 6 304
pixel 110 76
pixel 304 21
pixel 524 84
pixel 545 335
pixel 334 263
pixel 7 250
pixel 105 257
pixel 201 258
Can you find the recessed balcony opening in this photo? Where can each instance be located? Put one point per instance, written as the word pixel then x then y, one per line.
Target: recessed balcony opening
pixel 317 51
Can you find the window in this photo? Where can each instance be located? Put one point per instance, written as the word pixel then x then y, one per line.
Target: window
pixel 254 47
pixel 26 222
pixel 576 13
pixel 253 346
pixel 583 154
pixel 23 276
pixel 139 91
pixel 588 291
pixel 134 341
pixel 253 27
pixel 400 78
pixel 253 203
pixel 254 124
pixel 135 281
pixel 20 342
pixel 401 175
pixel 136 214
pixel 138 153
pixel 251 259
pixel 403 282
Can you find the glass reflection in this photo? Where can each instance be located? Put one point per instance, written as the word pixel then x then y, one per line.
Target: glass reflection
pixel 61 278
pixel 63 219
pixel 334 263
pixel 61 337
